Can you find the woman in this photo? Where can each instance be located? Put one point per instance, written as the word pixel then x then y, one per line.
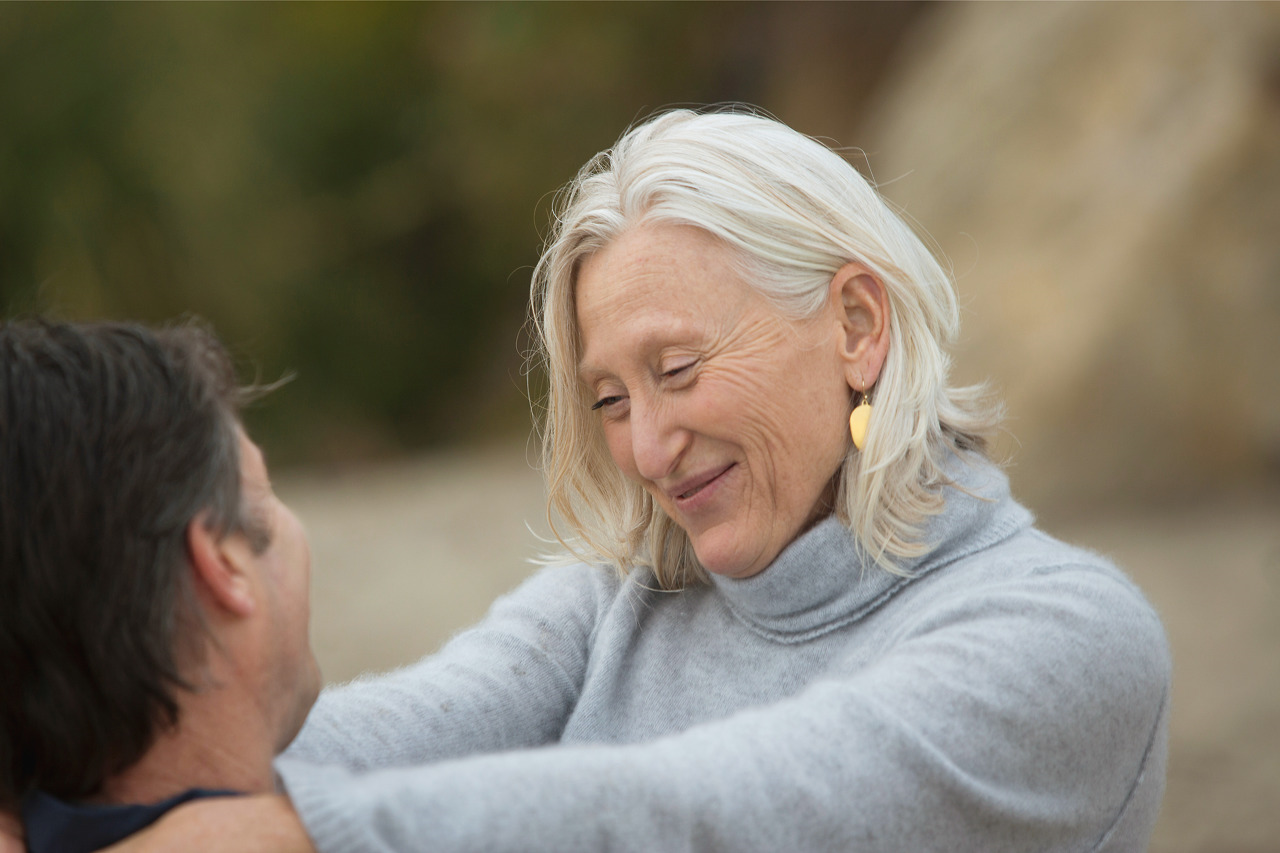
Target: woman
pixel 833 629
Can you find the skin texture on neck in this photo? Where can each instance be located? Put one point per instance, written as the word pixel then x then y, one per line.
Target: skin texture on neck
pixel 10 833
pixel 223 740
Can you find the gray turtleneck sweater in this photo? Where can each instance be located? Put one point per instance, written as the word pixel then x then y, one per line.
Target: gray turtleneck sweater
pixel 1010 695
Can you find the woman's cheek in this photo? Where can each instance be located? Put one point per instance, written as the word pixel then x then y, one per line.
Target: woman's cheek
pixel 618 439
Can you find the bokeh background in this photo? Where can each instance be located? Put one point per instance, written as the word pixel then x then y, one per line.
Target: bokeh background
pixel 356 194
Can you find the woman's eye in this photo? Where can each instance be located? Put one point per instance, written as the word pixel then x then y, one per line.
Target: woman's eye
pixel 676 371
pixel 604 401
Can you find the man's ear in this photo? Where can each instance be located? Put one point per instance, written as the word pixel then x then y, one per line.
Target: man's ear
pixel 861 305
pixel 220 567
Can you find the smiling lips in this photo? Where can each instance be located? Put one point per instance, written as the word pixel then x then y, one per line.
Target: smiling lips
pixel 691 488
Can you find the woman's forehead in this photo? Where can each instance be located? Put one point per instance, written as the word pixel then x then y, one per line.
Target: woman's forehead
pixel 656 269
pixel 655 250
pixel 671 288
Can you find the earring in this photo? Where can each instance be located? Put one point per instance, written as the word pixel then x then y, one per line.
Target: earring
pixel 858 421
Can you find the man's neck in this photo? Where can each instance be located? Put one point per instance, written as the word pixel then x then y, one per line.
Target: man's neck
pixel 217 744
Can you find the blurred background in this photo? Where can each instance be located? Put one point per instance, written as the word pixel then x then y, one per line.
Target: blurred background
pixel 356 194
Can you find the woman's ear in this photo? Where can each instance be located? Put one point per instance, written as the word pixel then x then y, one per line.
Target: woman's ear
pixel 220 568
pixel 861 305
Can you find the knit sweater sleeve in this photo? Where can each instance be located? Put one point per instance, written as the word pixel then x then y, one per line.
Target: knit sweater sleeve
pixel 1021 719
pixel 508 682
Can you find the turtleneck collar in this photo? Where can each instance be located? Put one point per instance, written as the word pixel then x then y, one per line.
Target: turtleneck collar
pixel 825 578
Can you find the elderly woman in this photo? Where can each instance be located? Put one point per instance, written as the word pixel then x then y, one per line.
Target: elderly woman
pixel 804 612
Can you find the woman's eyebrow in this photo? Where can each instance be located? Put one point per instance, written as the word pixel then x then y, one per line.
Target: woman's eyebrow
pixel 588 373
pixel 652 336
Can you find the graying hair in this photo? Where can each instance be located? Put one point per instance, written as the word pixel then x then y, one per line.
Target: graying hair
pixel 793 212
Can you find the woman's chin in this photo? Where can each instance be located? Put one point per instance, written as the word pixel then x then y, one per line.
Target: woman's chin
pixel 726 558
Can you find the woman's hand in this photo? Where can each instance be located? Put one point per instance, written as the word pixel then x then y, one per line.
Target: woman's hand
pixel 263 823
pixel 11 834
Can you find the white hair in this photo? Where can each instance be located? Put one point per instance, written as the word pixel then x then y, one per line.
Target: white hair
pixel 793 212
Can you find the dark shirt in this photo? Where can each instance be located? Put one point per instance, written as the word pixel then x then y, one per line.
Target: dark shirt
pixel 55 826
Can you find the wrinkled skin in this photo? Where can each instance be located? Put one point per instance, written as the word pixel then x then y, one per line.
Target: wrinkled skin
pixel 732 417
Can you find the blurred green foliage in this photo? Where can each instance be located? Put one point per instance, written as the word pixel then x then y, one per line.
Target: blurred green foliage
pixel 353 192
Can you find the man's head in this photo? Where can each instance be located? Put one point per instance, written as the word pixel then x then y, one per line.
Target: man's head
pixel 138 536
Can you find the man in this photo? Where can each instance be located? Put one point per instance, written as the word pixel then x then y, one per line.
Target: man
pixel 153 590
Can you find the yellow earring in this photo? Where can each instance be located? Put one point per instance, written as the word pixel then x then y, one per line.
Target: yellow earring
pixel 858 422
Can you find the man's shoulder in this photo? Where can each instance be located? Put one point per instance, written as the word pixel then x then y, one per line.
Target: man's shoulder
pixel 54 825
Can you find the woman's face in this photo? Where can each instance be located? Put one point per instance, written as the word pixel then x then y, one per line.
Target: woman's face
pixel 732 417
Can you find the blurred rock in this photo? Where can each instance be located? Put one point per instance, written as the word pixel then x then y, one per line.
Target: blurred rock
pixel 1105 180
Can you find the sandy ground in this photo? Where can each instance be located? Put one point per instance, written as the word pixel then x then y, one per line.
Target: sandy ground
pixel 406 554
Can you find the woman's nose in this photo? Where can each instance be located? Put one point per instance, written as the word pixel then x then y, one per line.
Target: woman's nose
pixel 656 440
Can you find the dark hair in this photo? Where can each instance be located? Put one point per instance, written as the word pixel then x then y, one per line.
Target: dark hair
pixel 113 438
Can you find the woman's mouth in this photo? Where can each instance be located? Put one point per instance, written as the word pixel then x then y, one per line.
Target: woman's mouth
pixel 691 492
pixel 701 484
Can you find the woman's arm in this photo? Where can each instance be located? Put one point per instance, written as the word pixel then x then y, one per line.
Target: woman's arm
pixel 1024 718
pixel 509 682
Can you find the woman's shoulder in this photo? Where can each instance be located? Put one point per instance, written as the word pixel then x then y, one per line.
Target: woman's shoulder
pixel 1034 559
pixel 1056 602
pixel 988 551
pixel 987 538
pixel 1053 647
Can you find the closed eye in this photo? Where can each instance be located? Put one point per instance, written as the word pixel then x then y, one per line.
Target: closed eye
pixel 676 371
pixel 604 401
